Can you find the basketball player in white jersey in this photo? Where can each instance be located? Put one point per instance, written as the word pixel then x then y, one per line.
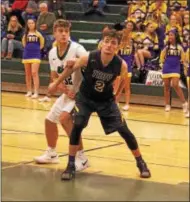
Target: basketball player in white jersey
pixel 61 111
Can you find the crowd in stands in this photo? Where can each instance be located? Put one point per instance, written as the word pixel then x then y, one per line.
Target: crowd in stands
pixel 149 22
pixel 14 17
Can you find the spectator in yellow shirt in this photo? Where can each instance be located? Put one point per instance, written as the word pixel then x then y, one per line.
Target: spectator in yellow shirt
pixel 148 45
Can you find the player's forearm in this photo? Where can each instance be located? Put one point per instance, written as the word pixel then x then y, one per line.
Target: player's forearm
pixel 120 88
pixel 66 73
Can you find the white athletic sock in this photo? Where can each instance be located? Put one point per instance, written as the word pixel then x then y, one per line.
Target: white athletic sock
pixel 52 149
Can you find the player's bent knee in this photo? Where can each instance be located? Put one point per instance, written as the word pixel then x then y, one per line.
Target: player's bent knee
pixel 128 136
pixel 79 125
pixel 64 118
pixel 80 122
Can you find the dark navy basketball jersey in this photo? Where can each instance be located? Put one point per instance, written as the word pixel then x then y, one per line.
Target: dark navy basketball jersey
pixel 98 80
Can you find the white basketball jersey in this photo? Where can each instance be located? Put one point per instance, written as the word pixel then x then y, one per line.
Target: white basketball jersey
pixel 74 50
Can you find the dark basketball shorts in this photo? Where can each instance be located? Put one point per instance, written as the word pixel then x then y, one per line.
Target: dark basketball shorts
pixel 108 112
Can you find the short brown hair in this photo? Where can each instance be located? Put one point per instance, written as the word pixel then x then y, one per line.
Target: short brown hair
pixel 61 23
pixel 112 33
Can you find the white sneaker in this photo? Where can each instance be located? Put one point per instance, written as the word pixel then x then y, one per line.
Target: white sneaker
pixel 81 161
pixel 44 99
pixel 47 158
pixel 185 107
pixel 126 108
pixel 187 115
pixel 34 96
pixel 28 94
pixel 167 108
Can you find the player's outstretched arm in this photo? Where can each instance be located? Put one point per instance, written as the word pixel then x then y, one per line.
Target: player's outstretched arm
pixel 70 67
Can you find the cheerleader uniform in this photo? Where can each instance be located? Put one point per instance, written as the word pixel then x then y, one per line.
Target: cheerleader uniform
pixel 178 4
pixel 127 54
pixel 153 8
pixel 138 11
pixel 171 57
pixel 32 47
pixel 188 71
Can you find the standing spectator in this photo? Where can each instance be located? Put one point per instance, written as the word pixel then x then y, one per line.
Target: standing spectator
pixel 94 6
pixel 18 7
pixel 45 25
pixel 171 58
pixel 12 39
pixel 58 8
pixel 3 22
pixel 31 11
pixel 33 42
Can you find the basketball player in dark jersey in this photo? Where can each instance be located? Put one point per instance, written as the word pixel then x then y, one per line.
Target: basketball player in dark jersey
pixel 100 70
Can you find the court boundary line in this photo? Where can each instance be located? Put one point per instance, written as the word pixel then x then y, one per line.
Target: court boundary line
pixel 17 132
pixel 38 133
pixel 89 150
pixel 127 119
pixel 63 155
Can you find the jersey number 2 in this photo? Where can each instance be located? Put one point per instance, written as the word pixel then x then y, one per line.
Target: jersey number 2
pixel 99 86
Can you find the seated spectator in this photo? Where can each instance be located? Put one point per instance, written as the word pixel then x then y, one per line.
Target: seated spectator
pixel 45 25
pixel 161 21
pixel 12 39
pixel 173 25
pixel 158 7
pixel 94 6
pixel 31 11
pixel 137 10
pixel 3 22
pixel 148 46
pixel 186 30
pixel 178 5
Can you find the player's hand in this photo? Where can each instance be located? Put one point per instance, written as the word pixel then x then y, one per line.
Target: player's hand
pixel 71 94
pixel 63 88
pixel 52 88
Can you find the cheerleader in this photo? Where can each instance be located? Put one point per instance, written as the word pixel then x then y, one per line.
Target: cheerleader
pixel 126 51
pixel 33 42
pixel 148 45
pixel 188 80
pixel 171 58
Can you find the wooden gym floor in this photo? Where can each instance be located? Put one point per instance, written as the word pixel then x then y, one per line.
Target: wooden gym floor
pixel 113 176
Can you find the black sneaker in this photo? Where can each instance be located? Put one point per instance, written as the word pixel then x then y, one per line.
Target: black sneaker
pixel 69 173
pixel 144 171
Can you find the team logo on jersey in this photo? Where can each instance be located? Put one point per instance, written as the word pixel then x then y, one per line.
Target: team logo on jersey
pixel 60 69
